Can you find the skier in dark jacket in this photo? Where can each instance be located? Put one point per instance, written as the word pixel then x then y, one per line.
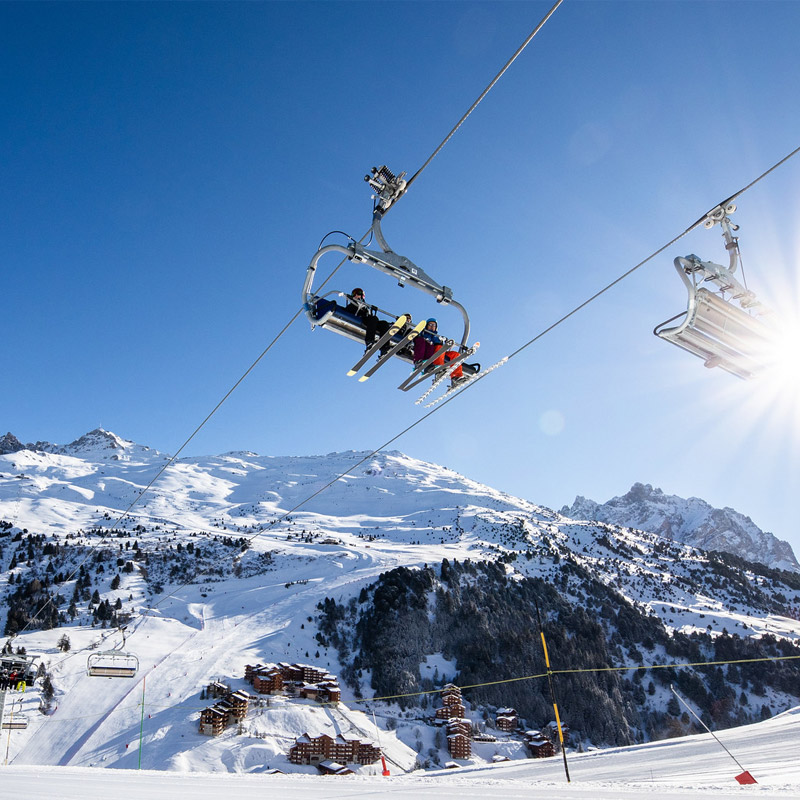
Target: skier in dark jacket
pixel 374 328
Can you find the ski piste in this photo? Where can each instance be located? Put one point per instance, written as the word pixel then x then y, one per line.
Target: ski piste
pixel 445 371
pixel 409 337
pixel 422 366
pixel 372 349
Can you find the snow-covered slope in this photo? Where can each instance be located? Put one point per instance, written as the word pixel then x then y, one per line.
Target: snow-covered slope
pixel 212 584
pixel 691 521
pixel 692 767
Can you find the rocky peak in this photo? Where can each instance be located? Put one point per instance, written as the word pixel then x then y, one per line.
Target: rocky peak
pixel 691 521
pixel 10 444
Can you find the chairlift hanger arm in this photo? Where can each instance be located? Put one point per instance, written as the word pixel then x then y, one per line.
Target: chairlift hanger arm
pixel 388 189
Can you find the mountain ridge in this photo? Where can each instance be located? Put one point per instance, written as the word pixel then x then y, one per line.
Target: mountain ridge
pixel 689 520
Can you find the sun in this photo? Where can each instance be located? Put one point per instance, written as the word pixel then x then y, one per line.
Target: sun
pixel 778 386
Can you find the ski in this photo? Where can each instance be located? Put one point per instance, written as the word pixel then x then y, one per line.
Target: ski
pixel 447 370
pixel 414 378
pixel 409 337
pixel 464 383
pixel 376 346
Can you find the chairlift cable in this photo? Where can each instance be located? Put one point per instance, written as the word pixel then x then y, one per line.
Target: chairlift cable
pixel 485 92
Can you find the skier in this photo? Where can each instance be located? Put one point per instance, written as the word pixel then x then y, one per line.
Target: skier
pixel 425 346
pixel 374 328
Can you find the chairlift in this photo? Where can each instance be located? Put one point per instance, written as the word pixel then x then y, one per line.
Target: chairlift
pixel 113 663
pixel 723 327
pixel 21 664
pixel 332 316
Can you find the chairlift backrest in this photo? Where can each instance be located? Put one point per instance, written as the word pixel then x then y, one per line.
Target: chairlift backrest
pixel 721 334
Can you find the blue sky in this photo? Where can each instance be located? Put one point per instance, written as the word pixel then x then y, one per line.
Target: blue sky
pixel 169 169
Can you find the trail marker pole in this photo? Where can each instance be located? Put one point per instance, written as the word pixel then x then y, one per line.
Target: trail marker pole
pixel 386 772
pixel 745 778
pixel 553 693
pixel 141 725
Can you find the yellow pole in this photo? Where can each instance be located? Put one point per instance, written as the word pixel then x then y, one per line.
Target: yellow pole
pixel 553 694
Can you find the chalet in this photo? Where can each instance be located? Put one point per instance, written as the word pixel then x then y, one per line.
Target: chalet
pixel 459 745
pixel 232 708
pixel 332 768
pixel 451 694
pixel 303 673
pixel 217 689
pixel 308 691
pixel 330 692
pixel 506 720
pixel 460 725
pixel 551 732
pixel 213 721
pixel 251 669
pixel 238 702
pixel 539 746
pixel 452 705
pixel 451 711
pixel 268 681
pixel 285 677
pixel 343 749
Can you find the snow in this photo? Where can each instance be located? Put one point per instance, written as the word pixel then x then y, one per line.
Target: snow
pixel 392 510
pixel 695 766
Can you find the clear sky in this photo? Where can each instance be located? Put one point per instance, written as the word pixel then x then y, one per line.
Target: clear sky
pixel 169 169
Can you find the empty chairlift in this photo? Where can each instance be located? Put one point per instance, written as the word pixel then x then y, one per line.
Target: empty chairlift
pixel 112 664
pixel 724 326
pixel 117 663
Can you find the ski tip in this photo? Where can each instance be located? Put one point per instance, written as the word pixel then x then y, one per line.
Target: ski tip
pixel 363 378
pixel 350 373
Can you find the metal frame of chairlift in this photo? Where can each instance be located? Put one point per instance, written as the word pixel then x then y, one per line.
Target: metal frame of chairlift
pixel 713 328
pixel 113 663
pixel 19 663
pixel 389 188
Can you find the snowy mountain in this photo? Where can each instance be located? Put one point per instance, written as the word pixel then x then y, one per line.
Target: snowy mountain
pixel 98 443
pixel 693 522
pixel 400 576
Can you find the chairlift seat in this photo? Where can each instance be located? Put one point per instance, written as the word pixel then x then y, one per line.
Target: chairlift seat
pixel 112 664
pixel 338 320
pixel 721 334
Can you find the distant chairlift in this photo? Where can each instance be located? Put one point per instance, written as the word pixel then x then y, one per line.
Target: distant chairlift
pixel 388 189
pixel 724 335
pixel 113 663
pixel 22 665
